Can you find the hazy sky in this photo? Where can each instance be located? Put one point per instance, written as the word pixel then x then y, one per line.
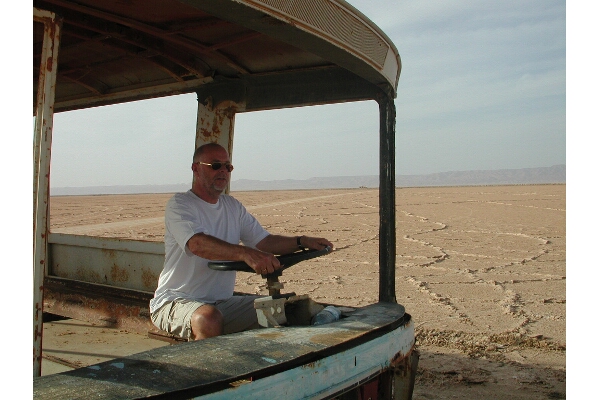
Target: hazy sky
pixel 483 87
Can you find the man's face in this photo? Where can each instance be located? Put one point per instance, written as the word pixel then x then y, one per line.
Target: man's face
pixel 212 182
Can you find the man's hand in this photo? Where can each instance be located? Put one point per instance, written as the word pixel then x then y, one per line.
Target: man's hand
pixel 278 244
pixel 315 243
pixel 260 261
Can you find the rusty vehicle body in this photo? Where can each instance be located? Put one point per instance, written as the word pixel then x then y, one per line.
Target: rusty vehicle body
pixel 237 56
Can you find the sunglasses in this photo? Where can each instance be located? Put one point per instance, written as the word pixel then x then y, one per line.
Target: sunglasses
pixel 217 165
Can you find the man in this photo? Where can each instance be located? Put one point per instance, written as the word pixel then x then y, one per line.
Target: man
pixel 191 300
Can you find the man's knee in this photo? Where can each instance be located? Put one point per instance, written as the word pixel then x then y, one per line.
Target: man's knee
pixel 207 321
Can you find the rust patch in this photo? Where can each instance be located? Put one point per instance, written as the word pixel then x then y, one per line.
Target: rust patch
pixel 333 338
pixel 270 335
pixel 208 133
pixel 86 275
pixel 49 63
pixel 118 274
pixel 110 253
pixel 100 311
pixel 149 280
pixel 229 110
pixel 400 359
pixel 216 121
pixel 311 365
pixel 277 354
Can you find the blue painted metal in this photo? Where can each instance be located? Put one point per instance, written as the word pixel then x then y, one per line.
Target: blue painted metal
pixel 329 375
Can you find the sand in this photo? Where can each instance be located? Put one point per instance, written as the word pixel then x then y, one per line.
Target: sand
pixel 482 271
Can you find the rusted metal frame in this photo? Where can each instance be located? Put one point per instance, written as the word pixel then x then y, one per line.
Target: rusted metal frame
pixel 101 89
pixel 149 53
pixel 219 102
pixel 58 360
pixel 151 30
pixel 398 380
pixel 183 59
pixel 215 123
pixel 165 337
pixel 387 199
pixel 311 86
pixel 106 34
pixel 402 375
pixel 102 305
pixel 41 155
pixel 86 68
pixel 368 388
pixel 100 38
pixel 98 87
pixel 123 264
pixel 160 89
pixel 113 31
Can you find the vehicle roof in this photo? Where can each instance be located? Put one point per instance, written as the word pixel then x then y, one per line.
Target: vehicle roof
pixel 115 51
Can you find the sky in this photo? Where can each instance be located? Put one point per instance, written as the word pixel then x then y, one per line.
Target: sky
pixel 483 87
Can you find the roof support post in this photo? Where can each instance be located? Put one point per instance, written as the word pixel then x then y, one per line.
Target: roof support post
pixel 387 199
pixel 41 171
pixel 215 123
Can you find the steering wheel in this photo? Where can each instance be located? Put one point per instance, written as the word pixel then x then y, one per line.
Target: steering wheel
pixel 286 261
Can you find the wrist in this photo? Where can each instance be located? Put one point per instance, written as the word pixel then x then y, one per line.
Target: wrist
pixel 299 242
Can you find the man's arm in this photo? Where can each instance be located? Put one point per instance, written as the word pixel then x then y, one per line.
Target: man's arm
pixel 212 248
pixel 278 244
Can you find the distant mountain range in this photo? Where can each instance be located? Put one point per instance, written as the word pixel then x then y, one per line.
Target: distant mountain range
pixel 525 176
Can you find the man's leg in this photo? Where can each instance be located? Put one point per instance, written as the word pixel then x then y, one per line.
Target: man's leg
pixel 238 313
pixel 189 319
pixel 206 321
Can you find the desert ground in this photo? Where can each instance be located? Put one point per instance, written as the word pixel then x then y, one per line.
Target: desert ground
pixel 481 270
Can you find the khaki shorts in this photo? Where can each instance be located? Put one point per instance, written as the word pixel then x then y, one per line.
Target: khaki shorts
pixel 175 317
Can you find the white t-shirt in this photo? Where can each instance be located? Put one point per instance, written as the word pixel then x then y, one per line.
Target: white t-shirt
pixel 186 275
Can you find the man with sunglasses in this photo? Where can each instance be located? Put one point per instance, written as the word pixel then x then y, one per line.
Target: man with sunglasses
pixel 191 300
